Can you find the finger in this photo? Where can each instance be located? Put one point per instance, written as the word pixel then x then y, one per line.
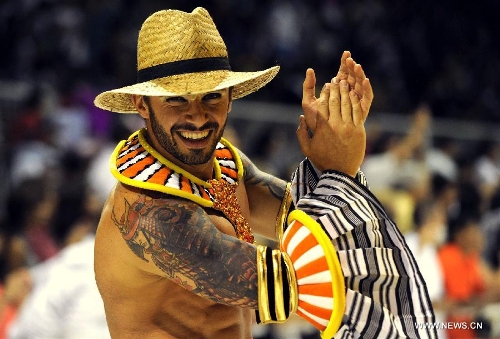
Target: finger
pixel 323 102
pixel 343 70
pixel 303 136
pixel 309 87
pixel 359 73
pixel 334 102
pixel 309 99
pixel 358 117
pixel 351 76
pixel 367 97
pixel 345 102
pixel 360 76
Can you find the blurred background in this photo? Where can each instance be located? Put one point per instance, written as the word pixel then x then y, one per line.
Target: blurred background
pixel 433 155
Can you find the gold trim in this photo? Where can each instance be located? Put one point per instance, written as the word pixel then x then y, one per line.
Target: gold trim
pixel 262 288
pixel 279 301
pixel 282 213
pixel 237 158
pixel 292 282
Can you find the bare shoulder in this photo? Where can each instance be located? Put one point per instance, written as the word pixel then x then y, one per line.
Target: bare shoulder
pixel 147 221
pixel 174 238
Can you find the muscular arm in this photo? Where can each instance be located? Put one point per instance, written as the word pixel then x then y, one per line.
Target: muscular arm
pixel 265 193
pixel 179 240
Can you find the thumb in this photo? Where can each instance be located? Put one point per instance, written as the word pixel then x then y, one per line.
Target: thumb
pixel 303 136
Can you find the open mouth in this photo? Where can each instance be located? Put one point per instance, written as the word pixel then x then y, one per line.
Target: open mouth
pixel 195 139
pixel 194 135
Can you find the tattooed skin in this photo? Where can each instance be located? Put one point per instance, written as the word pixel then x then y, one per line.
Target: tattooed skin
pixel 180 238
pixel 254 176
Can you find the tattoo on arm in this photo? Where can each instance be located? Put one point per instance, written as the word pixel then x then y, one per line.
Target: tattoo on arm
pixel 181 240
pixel 254 176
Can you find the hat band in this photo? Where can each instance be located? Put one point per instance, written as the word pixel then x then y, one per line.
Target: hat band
pixel 183 67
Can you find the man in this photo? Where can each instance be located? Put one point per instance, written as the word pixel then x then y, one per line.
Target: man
pixel 175 255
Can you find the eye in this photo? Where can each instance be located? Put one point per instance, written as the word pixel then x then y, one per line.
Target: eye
pixel 176 100
pixel 212 97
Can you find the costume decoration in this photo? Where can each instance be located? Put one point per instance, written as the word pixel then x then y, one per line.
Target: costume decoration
pixel 303 277
pixel 225 201
pixel 385 294
pixel 286 206
pixel 134 162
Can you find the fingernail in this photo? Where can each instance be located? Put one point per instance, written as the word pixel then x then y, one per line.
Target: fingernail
pixel 335 81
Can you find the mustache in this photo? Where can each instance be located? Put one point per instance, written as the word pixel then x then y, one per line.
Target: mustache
pixel 190 127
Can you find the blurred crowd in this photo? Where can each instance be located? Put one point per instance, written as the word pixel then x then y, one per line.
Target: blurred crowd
pixel 55 144
pixel 445 53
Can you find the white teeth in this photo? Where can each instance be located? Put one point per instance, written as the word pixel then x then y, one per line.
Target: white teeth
pixel 194 135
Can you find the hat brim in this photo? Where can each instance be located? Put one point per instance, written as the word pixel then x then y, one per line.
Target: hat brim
pixel 243 83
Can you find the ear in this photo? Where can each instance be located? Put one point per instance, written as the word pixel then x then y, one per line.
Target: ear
pixel 230 105
pixel 141 105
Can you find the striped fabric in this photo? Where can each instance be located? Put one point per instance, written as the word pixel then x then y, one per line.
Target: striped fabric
pixel 386 296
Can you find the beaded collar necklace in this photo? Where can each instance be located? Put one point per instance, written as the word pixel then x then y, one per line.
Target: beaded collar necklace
pixel 134 162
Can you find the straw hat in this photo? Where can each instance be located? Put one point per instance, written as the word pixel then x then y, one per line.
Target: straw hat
pixel 181 53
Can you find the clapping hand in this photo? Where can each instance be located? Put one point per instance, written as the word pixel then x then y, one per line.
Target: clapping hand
pixel 336 119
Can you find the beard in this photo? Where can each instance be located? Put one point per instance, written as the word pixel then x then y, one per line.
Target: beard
pixel 192 156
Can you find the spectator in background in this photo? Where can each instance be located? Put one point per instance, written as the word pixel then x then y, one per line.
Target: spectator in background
pixel 13 291
pixel 445 193
pixel 13 249
pixel 398 175
pixel 442 158
pixel 487 168
pixel 465 281
pixel 31 152
pixel 424 241
pixel 70 119
pixel 64 302
pixel 490 225
pixel 31 209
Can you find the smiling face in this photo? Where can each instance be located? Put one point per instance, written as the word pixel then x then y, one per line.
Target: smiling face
pixel 186 129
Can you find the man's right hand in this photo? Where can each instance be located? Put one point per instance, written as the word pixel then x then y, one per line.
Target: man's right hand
pixel 338 140
pixel 350 71
pixel 349 96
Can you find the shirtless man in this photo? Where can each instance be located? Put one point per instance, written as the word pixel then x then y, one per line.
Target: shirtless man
pixel 175 255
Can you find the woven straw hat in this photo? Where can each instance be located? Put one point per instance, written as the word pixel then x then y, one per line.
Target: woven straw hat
pixel 181 53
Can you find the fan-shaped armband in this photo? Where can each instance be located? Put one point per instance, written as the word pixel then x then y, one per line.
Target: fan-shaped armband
pixel 303 277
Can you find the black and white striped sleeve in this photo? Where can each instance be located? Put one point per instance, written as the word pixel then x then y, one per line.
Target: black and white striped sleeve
pixel 386 296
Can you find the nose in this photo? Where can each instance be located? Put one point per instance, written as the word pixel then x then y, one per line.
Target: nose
pixel 196 111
